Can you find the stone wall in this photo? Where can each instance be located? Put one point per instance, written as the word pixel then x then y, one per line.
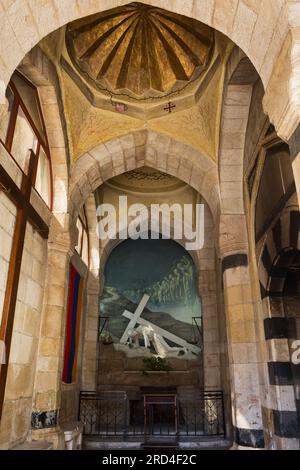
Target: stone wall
pixel 16 419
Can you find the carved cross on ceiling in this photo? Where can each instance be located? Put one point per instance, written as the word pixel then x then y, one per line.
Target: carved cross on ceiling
pixel 170 106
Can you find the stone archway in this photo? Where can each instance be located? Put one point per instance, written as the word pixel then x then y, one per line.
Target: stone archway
pixel 207 287
pixel 41 72
pixel 263 35
pixel 146 148
pixel 157 151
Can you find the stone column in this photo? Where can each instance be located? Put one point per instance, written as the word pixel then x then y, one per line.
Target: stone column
pixel 278 332
pixel 241 334
pixel 47 386
pixel 90 347
pixel 208 294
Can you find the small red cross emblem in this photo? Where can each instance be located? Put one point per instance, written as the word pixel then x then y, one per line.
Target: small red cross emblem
pixel 169 108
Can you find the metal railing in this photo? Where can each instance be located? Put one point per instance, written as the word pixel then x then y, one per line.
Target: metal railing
pixel 113 415
pixel 202 416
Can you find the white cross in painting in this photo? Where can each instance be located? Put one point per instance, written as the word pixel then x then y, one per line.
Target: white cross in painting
pixel 135 318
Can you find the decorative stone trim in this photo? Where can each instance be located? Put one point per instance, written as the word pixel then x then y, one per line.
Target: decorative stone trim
pixel 234 261
pixel 249 437
pixel 181 160
pixel 44 419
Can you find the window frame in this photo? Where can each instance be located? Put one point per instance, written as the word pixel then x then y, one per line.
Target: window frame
pixel 85 230
pixel 41 141
pixel 26 213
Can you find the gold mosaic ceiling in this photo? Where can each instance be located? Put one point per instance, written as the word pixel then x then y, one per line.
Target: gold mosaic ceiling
pixel 139 50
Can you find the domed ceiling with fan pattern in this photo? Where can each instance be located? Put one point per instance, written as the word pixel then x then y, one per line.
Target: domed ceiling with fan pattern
pixel 139 50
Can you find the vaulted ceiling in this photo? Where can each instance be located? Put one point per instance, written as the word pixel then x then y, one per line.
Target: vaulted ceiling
pixel 140 50
pixel 137 66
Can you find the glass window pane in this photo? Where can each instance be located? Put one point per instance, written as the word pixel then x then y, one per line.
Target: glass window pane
pixel 42 182
pixel 24 140
pixel 28 95
pixel 5 112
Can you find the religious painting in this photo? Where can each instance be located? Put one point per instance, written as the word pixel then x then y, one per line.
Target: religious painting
pixel 150 304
